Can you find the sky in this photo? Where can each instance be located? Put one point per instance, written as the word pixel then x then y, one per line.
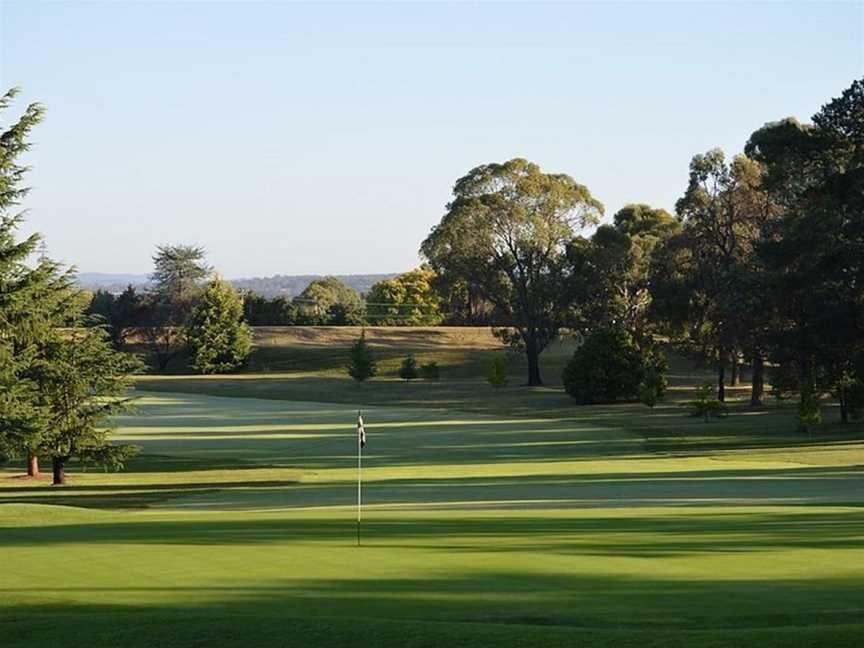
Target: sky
pixel 325 138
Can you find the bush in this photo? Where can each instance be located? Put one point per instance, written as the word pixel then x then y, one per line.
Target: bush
pixel 361 361
pixel 706 405
pixel 429 371
pixel 652 387
pixel 408 370
pixel 612 365
pixel 809 412
pixel 497 373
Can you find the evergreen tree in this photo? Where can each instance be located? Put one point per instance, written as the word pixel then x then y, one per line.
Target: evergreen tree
pixel 361 362
pixel 32 300
pixel 408 370
pixel 83 381
pixel 219 339
pixel 178 274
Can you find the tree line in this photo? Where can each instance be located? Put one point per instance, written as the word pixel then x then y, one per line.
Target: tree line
pixel 409 299
pixel 762 263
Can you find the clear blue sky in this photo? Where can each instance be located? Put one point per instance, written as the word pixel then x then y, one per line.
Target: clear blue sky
pixel 325 138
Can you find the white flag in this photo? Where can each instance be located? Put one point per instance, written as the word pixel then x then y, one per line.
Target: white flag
pixel 361 431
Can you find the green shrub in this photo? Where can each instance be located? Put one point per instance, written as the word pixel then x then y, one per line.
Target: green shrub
pixel 652 387
pixel 361 360
pixel 408 370
pixel 706 405
pixel 612 365
pixel 809 411
pixel 429 371
pixel 497 373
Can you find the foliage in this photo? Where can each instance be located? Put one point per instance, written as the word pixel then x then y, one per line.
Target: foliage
pixel 652 387
pixel 809 412
pixel 409 299
pixel 706 405
pixel 408 369
pixel 329 301
pixel 361 360
pixel 120 313
pixel 505 234
pixel 219 339
pixel 611 365
pixel 259 310
pixel 429 371
pixel 178 275
pixel 813 255
pixel 496 374
pixel 608 274
pixel 708 283
pixel 83 382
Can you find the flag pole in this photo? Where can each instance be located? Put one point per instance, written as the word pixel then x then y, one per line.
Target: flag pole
pixel 359 475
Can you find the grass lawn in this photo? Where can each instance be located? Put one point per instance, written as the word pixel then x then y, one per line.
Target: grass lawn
pixel 600 526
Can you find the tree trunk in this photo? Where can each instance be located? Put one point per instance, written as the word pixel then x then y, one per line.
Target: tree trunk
pixel 32 465
pixel 844 408
pixel 533 354
pixel 58 467
pixel 757 387
pixel 721 379
pixel 735 375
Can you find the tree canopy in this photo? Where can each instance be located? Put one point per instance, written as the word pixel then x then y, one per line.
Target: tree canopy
pixel 505 233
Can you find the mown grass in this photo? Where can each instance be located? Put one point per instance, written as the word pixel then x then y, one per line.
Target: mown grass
pixel 505 517
pixel 236 527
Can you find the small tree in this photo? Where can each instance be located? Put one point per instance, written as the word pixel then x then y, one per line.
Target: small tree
pixel 809 411
pixel 83 381
pixel 178 274
pixel 219 339
pixel 361 360
pixel 408 370
pixel 611 365
pixel 706 405
pixel 652 387
pixel 497 373
pixel 429 371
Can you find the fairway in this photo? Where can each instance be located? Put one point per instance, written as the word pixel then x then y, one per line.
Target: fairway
pixel 236 525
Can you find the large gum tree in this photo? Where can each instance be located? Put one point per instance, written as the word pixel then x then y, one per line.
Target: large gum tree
pixel 505 234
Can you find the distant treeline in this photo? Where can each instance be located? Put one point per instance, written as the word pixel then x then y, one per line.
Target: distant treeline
pixel 409 299
pixel 276 286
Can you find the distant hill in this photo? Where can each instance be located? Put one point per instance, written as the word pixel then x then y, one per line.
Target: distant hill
pixel 277 285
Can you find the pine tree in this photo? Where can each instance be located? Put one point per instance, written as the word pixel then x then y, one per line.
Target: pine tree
pixel 83 381
pixel 31 299
pixel 219 338
pixel 58 380
pixel 361 363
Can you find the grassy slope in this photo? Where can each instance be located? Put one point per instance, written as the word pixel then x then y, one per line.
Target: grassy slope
pixel 308 364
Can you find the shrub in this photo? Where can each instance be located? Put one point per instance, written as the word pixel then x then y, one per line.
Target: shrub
pixel 497 373
pixel 361 360
pixel 612 365
pixel 652 387
pixel 706 405
pixel 408 370
pixel 809 411
pixel 429 371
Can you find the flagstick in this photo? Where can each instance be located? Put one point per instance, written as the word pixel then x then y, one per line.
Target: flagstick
pixel 359 477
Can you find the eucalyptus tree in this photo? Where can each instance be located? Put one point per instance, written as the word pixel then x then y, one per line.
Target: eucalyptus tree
pixel 505 232
pixel 609 273
pixel 814 254
pixel 700 275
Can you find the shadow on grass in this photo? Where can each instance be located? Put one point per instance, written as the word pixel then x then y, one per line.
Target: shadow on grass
pixel 685 534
